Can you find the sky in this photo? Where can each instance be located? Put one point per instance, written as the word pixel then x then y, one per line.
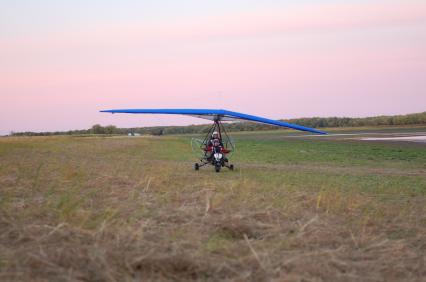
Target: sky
pixel 63 61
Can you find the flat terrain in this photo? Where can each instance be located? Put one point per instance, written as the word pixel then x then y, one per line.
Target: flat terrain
pixel 297 208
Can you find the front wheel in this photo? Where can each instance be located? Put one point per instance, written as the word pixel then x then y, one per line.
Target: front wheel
pixel 217 167
pixel 196 166
pixel 231 167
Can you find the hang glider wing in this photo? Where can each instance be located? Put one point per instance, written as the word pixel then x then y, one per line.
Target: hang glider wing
pixel 216 115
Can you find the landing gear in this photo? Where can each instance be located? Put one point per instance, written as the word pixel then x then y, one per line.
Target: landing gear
pixel 217 166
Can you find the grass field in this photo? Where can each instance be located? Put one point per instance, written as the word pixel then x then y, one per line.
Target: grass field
pixel 295 209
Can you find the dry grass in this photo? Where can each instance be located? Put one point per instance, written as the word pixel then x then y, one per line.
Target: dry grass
pixel 113 209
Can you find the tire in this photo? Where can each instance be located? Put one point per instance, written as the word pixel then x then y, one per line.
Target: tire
pixel 217 167
pixel 196 166
pixel 231 167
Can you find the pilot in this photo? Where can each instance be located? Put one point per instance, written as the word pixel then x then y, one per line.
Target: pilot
pixel 215 137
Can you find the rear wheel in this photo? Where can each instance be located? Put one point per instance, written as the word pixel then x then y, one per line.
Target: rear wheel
pixel 231 167
pixel 196 166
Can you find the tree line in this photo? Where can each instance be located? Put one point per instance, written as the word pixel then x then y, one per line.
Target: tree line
pixel 315 122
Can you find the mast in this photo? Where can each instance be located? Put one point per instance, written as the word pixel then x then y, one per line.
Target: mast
pixel 217 125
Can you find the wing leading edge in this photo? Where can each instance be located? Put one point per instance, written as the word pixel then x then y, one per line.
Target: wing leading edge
pixel 216 115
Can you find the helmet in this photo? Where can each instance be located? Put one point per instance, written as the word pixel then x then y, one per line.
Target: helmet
pixel 215 133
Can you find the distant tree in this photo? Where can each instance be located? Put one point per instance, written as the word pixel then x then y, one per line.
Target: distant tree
pixel 97 129
pixel 410 119
pixel 110 129
pixel 157 131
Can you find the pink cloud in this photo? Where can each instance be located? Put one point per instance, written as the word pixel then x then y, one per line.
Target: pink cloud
pixel 303 18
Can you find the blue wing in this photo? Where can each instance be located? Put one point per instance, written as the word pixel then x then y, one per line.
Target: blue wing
pixel 216 115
